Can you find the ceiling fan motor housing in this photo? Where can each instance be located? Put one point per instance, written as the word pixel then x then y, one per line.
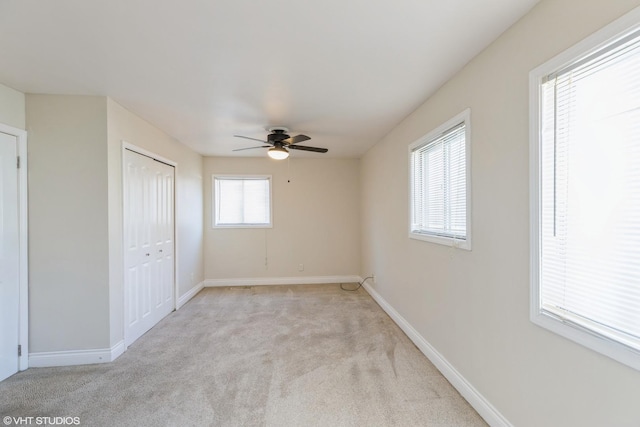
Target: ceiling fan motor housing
pixel 277 135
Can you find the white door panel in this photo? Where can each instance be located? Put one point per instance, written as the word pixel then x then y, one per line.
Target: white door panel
pixel 131 303
pixel 164 241
pixel 149 229
pixel 9 257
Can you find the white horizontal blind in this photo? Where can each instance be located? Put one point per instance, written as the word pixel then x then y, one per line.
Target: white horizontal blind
pixel 439 185
pixel 590 193
pixel 242 201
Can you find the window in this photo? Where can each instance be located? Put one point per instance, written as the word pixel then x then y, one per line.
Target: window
pixel 585 198
pixel 242 201
pixel 439 185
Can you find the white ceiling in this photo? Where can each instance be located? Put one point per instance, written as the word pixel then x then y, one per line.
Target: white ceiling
pixel 344 72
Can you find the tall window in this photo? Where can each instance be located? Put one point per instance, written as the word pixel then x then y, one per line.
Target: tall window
pixel 242 201
pixel 586 195
pixel 439 177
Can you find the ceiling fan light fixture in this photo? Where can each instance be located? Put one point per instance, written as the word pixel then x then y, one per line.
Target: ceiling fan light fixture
pixel 278 153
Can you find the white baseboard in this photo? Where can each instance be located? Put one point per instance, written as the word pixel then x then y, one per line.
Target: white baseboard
pixel 190 294
pixel 475 399
pixel 117 350
pixel 75 357
pixel 260 281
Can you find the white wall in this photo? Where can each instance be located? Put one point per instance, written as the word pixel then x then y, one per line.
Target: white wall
pixel 12 107
pixel 68 241
pixel 473 307
pixel 124 125
pixel 315 221
pixel 75 218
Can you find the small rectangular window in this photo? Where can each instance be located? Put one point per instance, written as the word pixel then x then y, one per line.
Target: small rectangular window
pixel 242 201
pixel 439 176
pixel 585 201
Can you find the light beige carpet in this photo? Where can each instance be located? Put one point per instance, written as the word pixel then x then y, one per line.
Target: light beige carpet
pixel 309 355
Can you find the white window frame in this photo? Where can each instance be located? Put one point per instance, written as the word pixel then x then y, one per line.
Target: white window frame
pixel 431 137
pixel 585 337
pixel 241 225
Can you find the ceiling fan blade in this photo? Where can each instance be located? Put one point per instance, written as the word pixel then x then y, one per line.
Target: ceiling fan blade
pixel 304 148
pixel 253 139
pixel 296 139
pixel 251 148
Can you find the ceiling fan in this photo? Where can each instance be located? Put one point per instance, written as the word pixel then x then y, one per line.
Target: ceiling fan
pixel 279 143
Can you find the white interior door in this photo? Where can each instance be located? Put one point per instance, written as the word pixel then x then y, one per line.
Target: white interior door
pixel 9 257
pixel 149 243
pixel 163 238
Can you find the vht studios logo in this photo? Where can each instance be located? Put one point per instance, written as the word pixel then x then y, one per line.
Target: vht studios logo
pixel 41 421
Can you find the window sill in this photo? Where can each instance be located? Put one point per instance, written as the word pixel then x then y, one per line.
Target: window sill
pixel 243 226
pixel 441 240
pixel 589 339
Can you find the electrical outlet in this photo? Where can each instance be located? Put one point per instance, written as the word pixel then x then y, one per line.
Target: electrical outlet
pixel 300 267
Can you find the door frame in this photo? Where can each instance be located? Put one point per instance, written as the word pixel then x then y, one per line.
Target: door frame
pixel 23 241
pixel 136 149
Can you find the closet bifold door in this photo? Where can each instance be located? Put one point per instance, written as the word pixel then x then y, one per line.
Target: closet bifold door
pixel 148 243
